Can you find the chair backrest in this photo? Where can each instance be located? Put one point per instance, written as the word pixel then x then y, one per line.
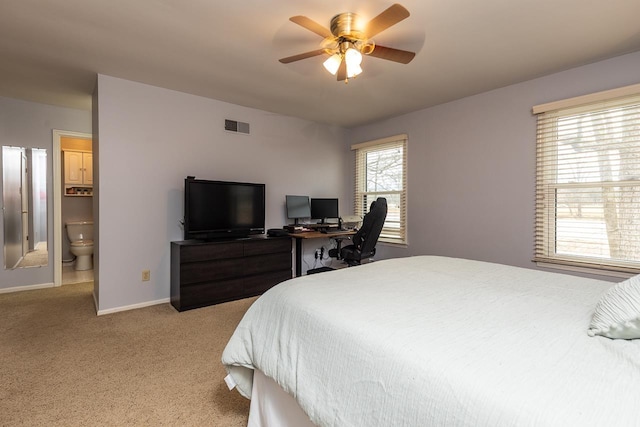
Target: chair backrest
pixel 372 223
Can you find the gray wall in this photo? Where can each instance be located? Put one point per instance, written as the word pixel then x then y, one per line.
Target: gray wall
pixel 471 169
pixel 150 139
pixel 30 125
pixel 471 178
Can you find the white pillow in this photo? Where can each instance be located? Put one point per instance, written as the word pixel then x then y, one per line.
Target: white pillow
pixel 617 314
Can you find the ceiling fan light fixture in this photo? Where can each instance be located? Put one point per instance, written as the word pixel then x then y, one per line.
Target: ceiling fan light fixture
pixel 353 58
pixel 349 38
pixel 353 70
pixel 333 63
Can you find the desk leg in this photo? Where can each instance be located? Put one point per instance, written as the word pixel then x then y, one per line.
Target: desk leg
pixel 298 257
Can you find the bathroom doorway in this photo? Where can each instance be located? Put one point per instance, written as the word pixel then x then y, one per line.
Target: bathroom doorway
pixel 73 201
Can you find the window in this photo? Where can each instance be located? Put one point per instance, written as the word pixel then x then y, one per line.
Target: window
pixel 588 181
pixel 381 171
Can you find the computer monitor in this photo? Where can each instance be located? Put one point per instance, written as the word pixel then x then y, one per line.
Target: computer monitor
pixel 324 208
pixel 298 207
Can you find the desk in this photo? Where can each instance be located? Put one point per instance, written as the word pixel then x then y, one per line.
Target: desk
pixel 314 235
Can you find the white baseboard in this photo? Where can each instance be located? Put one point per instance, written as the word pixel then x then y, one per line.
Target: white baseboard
pixel 26 288
pixel 99 312
pixel 133 306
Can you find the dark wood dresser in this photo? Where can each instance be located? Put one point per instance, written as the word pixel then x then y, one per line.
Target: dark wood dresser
pixel 211 272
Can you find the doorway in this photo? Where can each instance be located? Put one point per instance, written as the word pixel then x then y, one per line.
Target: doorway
pixel 63 272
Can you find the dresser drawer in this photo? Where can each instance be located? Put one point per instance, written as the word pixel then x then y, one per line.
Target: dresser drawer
pixel 207 293
pixel 211 270
pixel 211 251
pixel 258 284
pixel 205 273
pixel 252 248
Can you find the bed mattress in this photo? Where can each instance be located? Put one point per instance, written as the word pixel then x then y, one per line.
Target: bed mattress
pixel 439 341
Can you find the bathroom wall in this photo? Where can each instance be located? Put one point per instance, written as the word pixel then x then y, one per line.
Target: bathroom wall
pixel 74 208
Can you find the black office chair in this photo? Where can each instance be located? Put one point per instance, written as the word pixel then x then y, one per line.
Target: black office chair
pixel 364 241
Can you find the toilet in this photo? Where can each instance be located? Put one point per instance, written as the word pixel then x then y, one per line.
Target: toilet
pixel 80 234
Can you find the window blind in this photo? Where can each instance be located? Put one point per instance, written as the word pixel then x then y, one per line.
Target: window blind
pixel 381 171
pixel 588 185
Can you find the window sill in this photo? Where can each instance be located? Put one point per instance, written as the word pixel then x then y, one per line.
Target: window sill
pixel 393 244
pixel 576 269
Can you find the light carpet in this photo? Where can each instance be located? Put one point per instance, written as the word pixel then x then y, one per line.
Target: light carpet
pixel 61 365
pixel 37 257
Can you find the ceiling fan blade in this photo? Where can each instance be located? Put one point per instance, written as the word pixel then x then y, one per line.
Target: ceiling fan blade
pixel 391 16
pixel 311 25
pixel 391 54
pixel 342 71
pixel 300 56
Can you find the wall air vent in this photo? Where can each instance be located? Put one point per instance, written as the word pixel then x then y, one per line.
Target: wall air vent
pixel 236 127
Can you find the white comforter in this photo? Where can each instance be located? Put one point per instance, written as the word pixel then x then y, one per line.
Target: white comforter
pixel 439 341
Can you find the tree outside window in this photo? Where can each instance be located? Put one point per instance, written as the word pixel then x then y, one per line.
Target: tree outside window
pixel 588 185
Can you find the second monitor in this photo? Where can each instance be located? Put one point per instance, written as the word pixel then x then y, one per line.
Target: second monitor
pixel 324 208
pixel 298 207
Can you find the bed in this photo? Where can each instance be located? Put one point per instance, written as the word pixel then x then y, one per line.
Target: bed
pixel 431 340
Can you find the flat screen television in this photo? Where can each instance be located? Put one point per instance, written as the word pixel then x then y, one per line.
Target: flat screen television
pixel 298 207
pixel 219 209
pixel 324 208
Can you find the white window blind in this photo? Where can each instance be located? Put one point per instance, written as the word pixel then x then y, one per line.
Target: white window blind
pixel 381 171
pixel 588 185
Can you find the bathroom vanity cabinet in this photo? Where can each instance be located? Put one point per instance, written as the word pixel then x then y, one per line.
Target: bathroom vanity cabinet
pixel 212 272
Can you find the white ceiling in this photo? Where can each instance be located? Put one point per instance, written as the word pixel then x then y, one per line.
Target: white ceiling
pixel 51 50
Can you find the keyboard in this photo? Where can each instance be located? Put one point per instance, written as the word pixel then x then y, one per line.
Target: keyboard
pixel 335 231
pixel 309 225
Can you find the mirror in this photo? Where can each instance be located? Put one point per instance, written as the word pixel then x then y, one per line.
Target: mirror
pixel 24 206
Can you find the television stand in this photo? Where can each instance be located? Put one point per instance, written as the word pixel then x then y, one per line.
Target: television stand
pixel 211 272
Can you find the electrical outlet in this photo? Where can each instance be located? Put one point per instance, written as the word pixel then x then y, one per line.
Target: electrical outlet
pixel 146 275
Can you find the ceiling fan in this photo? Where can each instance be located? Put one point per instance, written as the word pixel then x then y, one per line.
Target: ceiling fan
pixel 350 38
